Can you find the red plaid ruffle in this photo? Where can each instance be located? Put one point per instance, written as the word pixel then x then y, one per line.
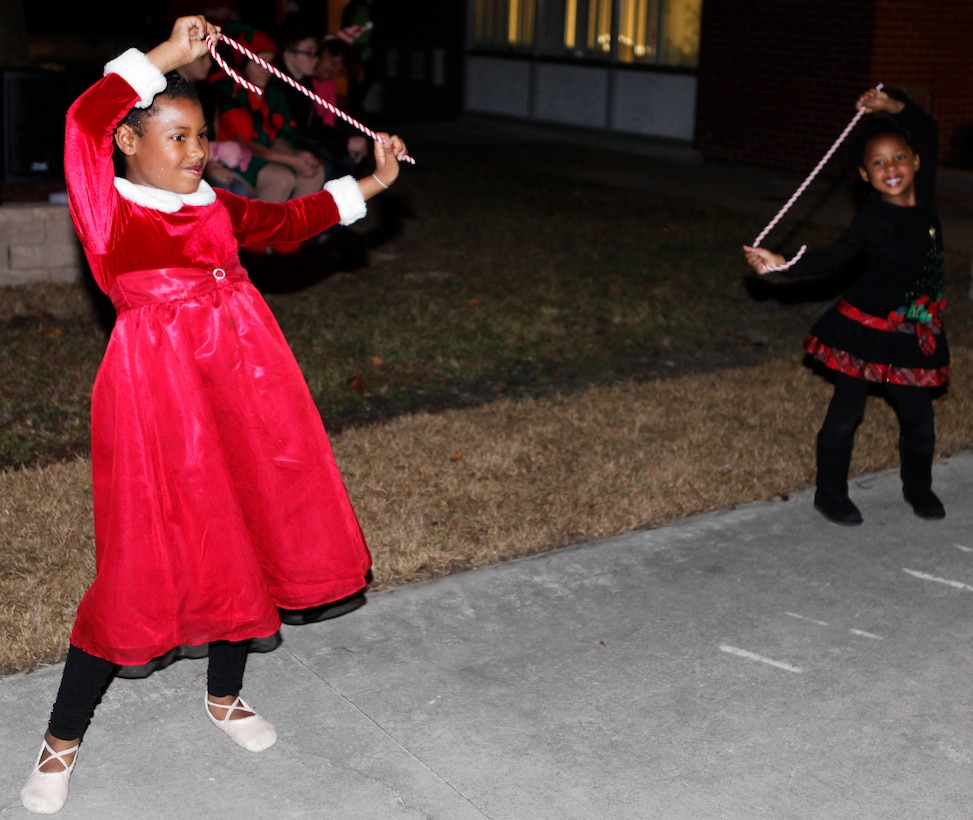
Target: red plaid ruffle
pixel 844 362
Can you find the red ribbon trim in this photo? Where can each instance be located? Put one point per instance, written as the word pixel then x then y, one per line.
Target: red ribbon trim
pixel 925 331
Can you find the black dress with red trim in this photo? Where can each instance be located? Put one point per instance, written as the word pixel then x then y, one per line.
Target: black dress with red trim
pixel 888 325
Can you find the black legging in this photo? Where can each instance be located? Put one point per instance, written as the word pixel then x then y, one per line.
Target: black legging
pixel 913 405
pixel 86 677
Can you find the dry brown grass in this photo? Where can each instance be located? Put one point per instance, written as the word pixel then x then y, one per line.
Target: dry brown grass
pixel 46 559
pixel 437 493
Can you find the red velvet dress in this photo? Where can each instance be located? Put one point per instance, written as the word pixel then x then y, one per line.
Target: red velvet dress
pixel 216 493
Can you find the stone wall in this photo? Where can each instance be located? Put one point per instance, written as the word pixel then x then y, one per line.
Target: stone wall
pixel 38 244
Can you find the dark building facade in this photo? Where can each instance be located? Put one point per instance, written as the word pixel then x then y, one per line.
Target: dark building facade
pixel 777 81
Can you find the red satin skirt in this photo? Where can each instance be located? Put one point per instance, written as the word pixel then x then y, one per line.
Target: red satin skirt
pixel 217 498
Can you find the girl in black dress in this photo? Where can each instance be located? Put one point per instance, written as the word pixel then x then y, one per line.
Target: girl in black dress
pixel 887 328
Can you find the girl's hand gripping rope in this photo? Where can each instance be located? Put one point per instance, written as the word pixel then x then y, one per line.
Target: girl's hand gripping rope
pixel 764 261
pixel 875 100
pixel 190 38
pixel 389 152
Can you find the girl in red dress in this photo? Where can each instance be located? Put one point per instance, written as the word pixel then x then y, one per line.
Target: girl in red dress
pixel 217 499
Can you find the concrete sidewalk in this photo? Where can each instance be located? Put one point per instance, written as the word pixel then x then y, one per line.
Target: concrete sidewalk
pixel 751 663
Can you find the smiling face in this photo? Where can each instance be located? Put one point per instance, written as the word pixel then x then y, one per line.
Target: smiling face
pixel 172 149
pixel 889 166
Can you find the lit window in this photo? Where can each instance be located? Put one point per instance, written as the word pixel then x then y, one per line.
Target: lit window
pixel 507 23
pixel 646 32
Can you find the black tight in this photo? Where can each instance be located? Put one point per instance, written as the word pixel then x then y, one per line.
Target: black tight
pixel 83 682
pixel 86 677
pixel 913 406
pixel 227 663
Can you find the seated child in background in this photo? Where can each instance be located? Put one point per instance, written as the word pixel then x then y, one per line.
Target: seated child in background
pixel 345 147
pixel 315 65
pixel 263 123
pixel 298 57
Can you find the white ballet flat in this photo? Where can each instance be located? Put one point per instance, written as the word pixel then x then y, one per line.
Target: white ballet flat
pixel 253 733
pixel 46 792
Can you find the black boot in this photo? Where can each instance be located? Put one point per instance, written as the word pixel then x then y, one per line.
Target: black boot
pixel 916 471
pixel 831 497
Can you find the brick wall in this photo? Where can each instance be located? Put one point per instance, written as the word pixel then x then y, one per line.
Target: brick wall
pixel 38 244
pixel 926 47
pixel 777 80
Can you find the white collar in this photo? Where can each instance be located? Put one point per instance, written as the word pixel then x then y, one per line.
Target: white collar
pixel 161 200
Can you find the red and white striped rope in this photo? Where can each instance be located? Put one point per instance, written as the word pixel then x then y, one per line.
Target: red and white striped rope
pixel 803 186
pixel 212 45
pixel 349 34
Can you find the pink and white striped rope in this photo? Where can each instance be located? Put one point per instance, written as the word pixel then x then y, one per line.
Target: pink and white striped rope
pixel 803 186
pixel 212 45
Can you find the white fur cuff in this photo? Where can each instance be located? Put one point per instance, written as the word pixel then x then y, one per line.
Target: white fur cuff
pixel 348 197
pixel 140 73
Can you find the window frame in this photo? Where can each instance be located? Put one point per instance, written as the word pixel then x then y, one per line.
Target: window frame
pixel 550 16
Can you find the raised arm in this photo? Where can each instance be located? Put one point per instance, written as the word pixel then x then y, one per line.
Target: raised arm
pixel 132 79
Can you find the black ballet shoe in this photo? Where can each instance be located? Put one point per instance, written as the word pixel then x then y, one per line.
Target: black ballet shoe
pixel 925 504
pixel 838 509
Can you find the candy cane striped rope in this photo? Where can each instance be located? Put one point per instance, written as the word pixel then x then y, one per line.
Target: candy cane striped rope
pixel 211 44
pixel 803 186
